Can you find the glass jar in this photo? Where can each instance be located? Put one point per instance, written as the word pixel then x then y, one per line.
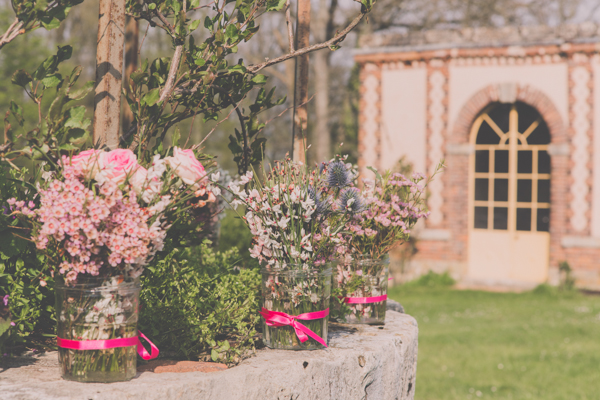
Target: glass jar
pixel 294 291
pixel 361 289
pixel 97 309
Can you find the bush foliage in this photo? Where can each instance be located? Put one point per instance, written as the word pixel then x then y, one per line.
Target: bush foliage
pixel 196 305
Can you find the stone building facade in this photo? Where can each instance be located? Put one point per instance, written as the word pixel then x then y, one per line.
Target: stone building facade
pixel 515 113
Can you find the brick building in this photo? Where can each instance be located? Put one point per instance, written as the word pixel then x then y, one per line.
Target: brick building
pixel 515 112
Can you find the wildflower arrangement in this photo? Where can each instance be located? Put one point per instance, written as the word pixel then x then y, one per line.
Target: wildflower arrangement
pixel 297 216
pixel 100 218
pixel 393 205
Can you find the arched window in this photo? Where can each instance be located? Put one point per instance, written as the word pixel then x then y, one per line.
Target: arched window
pixel 511 169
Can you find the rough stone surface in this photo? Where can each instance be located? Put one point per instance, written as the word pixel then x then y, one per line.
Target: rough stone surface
pixel 162 366
pixel 394 306
pixel 362 362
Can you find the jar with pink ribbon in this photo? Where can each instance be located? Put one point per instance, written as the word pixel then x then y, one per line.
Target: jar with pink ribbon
pixel 295 307
pixel 97 328
pixel 360 290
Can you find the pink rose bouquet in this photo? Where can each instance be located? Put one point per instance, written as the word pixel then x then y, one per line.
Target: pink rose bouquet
pixel 104 214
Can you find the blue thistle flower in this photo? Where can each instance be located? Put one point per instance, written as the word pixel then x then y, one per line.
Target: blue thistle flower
pixel 322 205
pixel 351 201
pixel 337 175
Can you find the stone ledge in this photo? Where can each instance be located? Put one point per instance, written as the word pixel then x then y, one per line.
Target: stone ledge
pixel 362 362
pixel 580 241
pixel 434 235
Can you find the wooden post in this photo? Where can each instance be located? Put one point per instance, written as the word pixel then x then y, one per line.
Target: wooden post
pixel 109 72
pixel 300 120
pixel 132 31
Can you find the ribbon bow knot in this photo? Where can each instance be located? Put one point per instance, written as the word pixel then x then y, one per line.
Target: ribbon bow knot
pixel 277 319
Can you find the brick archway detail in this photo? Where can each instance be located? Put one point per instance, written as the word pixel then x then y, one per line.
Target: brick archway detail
pixel 456 175
pixel 498 92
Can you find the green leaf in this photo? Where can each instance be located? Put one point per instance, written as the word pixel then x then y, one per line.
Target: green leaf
pixel 51 81
pixel 138 76
pixel 50 23
pixel 4 325
pixel 38 153
pixel 377 174
pixel 17 112
pixel 55 110
pixel 151 6
pixel 68 147
pixel 176 136
pixel 214 355
pixel 208 22
pixel 79 94
pixel 194 3
pixel 275 5
pixel 77 136
pixel 151 98
pixel 21 78
pixel 76 118
pixel 64 53
pixel 194 25
pixel 259 79
pixel 231 32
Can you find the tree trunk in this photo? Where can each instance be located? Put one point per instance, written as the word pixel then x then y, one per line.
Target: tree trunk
pixel 109 73
pixel 320 133
pixel 300 121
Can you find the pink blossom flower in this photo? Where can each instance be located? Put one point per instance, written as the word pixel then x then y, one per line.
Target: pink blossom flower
pixel 117 164
pixel 187 167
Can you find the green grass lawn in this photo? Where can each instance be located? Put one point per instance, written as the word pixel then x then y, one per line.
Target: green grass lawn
pixel 543 344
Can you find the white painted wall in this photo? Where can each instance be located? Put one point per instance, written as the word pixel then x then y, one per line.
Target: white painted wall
pixel 404 117
pixel 466 81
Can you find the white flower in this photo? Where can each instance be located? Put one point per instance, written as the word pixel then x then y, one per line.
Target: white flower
pixel 160 206
pixel 238 192
pixel 158 167
pixel 138 179
pixel 235 203
pixel 47 175
pixel 283 222
pixel 308 203
pixel 216 190
pixel 255 251
pixel 215 177
pixel 277 209
pixel 246 178
pixel 294 253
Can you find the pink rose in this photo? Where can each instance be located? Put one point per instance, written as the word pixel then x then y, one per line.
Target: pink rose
pixel 87 162
pixel 118 164
pixel 187 167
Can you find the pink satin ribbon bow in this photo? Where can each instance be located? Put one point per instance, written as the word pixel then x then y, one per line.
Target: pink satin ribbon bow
pixel 364 300
pixel 111 344
pixel 276 318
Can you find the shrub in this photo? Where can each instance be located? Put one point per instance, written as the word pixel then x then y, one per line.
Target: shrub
pixel 432 279
pixel 195 305
pixel 22 274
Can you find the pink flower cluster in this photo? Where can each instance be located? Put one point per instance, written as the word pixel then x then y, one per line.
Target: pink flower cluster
pixel 393 207
pixel 93 228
